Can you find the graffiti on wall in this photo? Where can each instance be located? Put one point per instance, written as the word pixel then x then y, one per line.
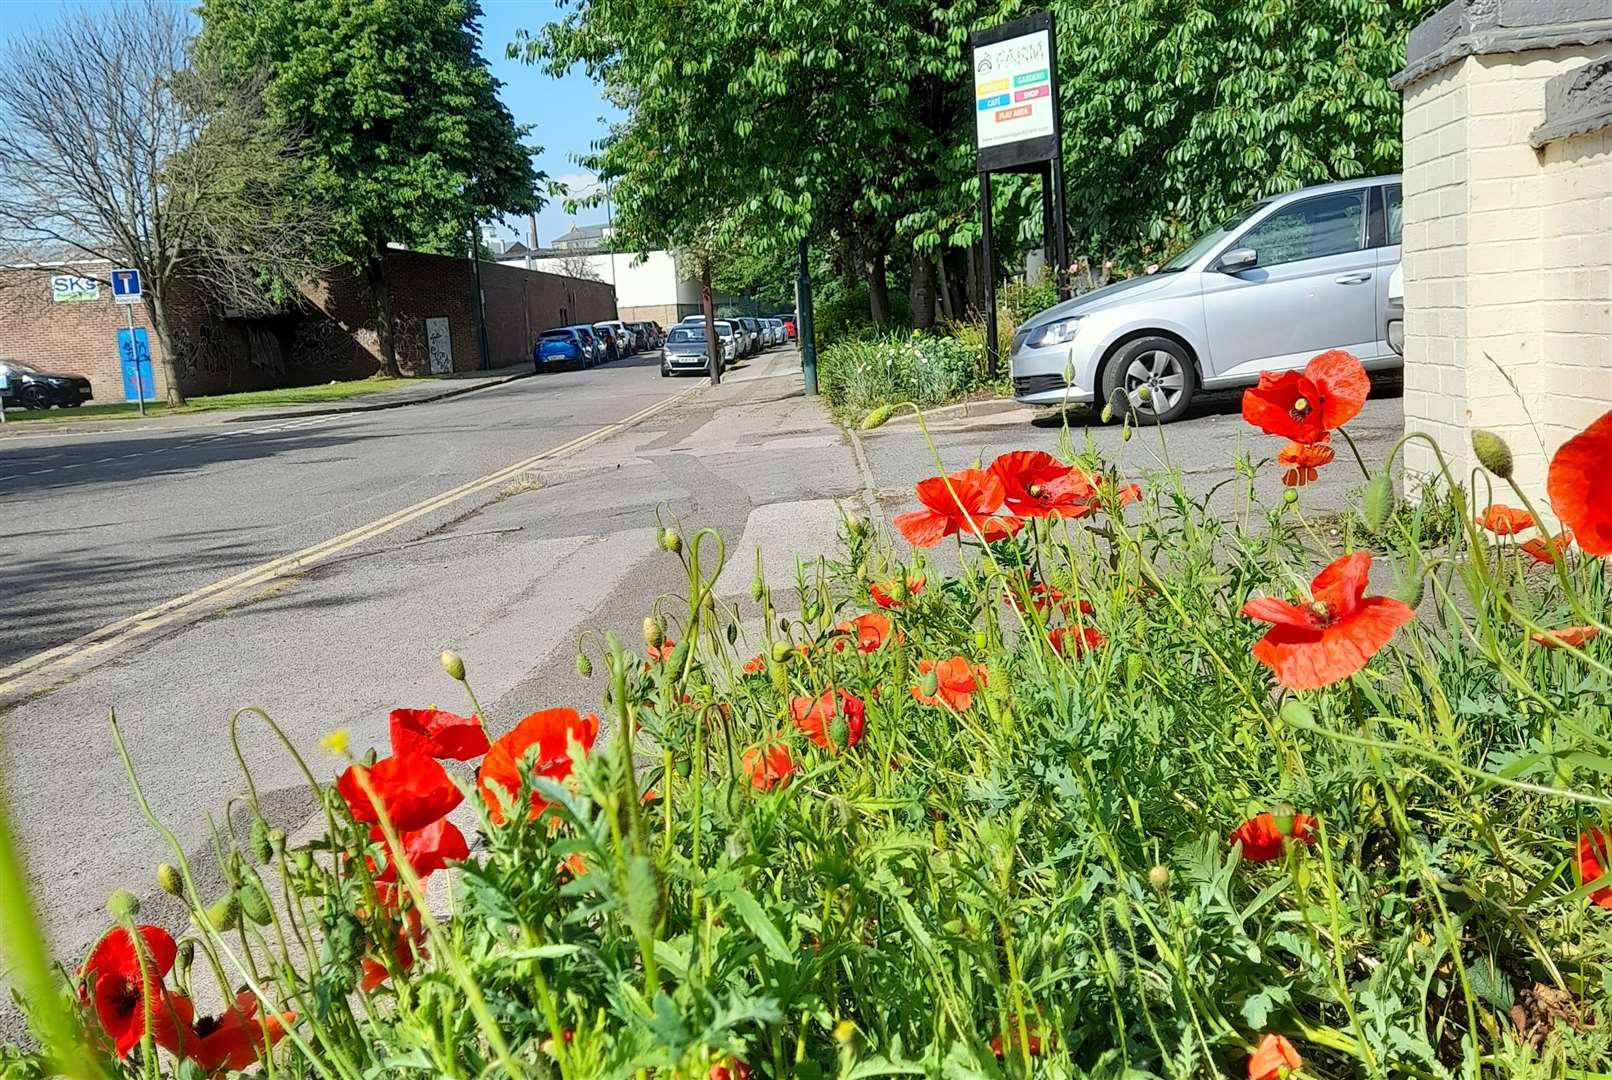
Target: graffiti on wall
pixel 200 348
pixel 320 345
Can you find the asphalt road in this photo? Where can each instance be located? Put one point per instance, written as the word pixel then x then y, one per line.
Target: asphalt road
pixel 511 574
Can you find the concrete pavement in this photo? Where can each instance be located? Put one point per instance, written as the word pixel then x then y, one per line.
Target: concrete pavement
pixel 510 576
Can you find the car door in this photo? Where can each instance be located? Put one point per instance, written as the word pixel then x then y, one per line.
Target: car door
pixel 1312 289
pixel 1387 227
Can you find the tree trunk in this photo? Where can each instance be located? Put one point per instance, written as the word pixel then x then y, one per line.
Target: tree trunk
pixel 157 308
pixel 375 275
pixel 879 289
pixel 945 288
pixel 713 348
pixel 923 291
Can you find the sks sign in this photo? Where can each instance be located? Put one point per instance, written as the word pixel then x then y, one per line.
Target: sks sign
pixel 70 289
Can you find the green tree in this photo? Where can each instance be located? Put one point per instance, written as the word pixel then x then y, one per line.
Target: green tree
pixel 408 142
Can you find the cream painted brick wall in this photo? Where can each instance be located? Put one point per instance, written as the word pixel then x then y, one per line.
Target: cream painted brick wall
pixel 1508 263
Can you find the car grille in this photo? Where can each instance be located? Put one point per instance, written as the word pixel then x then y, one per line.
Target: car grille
pixel 1025 385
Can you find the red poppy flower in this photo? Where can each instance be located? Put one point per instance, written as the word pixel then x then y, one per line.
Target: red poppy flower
pixel 768 766
pixel 973 510
pixel 235 1039
pixel 414 789
pixel 1073 640
pixel 1046 597
pixel 1580 486
pixel 408 945
pixel 543 736
pixel 1036 484
pixel 437 734
pixel 1593 861
pixel 1304 406
pixel 573 866
pixel 1334 635
pixel 733 1070
pixel 956 681
pixel 822 719
pixel 1575 636
pixel 884 593
pixel 428 850
pixel 1033 1040
pixel 112 974
pixel 1506 520
pixel 1274 1058
pixel 755 665
pixel 1262 840
pixel 1546 550
pixel 867 632
pixel 1301 460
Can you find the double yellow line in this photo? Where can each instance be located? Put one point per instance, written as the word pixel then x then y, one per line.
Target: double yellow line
pixel 117 634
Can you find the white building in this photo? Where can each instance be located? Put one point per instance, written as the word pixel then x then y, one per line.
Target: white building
pixel 649 287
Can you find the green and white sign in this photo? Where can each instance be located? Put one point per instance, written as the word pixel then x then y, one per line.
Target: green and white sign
pixel 71 289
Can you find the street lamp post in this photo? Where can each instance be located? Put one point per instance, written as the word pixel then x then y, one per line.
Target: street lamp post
pixel 480 297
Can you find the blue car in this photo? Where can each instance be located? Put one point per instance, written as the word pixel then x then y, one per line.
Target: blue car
pixel 565 345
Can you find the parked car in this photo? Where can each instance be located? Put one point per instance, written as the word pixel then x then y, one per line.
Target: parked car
pixel 1277 282
pixel 658 332
pixel 613 341
pixel 789 325
pixel 564 345
pixel 685 351
pixel 778 335
pixel 640 336
pixel 31 388
pixel 1394 321
pixel 623 339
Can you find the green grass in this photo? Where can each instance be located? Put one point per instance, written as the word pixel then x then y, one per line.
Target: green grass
pixel 251 399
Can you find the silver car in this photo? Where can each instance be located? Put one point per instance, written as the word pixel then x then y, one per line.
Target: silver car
pixel 1276 283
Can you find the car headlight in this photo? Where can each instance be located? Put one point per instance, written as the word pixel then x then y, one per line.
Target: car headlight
pixel 1055 333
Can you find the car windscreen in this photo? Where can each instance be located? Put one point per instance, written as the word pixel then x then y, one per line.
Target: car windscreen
pixel 557 335
pixel 17 367
pixel 685 334
pixel 1211 238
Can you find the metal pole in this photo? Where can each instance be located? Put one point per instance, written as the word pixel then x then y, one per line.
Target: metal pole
pixel 1060 244
pixel 134 351
pixel 991 350
pixel 803 328
pixel 713 348
pixel 481 300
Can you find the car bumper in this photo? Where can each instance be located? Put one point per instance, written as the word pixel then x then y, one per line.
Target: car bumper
pixel 1043 376
pixel 686 361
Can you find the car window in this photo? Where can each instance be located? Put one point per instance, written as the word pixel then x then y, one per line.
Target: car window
pixel 1394 202
pixel 684 333
pixel 1311 229
pixel 1210 239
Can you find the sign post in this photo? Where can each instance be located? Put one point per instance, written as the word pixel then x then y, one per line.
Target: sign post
pixel 5 384
pixel 1018 128
pixel 126 291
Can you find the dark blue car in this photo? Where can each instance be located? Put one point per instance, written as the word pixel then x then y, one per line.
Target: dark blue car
pixel 565 345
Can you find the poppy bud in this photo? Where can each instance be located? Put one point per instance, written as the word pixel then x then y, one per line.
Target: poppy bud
pixel 1125 432
pixel 856 526
pixel 169 880
pixel 1290 496
pixel 671 540
pixel 1297 713
pixel 223 914
pixel 187 953
pixel 1492 453
pixel 254 901
pixel 584 665
pixel 1378 503
pixel 838 731
pixel 781 651
pixel 1282 815
pixel 123 906
pixel 1133 667
pixel 453 664
pixel 810 613
pixel 758 588
pixel 899 589
pixel 259 838
pixel 1144 393
pixel 654 632
pixel 877 417
pixel 1408 588
pixel 1117 405
pixel 1159 878
pixel 679 656
pixel 928 683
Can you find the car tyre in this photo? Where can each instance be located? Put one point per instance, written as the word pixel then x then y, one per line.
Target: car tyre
pixel 665 372
pixel 34 398
pixel 1161 365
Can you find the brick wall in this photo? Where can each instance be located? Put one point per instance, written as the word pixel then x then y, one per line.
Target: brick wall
pixel 332 335
pixel 1507 259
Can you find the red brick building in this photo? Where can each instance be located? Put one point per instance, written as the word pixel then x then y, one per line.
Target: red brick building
pixel 329 336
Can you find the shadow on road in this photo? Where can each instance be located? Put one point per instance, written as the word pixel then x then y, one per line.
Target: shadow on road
pixel 1204 403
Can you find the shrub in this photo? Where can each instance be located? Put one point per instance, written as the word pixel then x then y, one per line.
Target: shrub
pixel 860 374
pixel 1103 803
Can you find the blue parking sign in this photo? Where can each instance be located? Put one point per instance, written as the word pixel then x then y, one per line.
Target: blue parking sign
pixel 126 286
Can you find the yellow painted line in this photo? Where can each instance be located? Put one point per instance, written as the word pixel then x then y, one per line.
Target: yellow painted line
pixel 113 635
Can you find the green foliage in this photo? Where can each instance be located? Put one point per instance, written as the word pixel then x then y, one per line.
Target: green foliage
pixel 859 374
pixel 406 138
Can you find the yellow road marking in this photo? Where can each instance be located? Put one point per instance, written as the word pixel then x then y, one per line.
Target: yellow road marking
pixel 118 633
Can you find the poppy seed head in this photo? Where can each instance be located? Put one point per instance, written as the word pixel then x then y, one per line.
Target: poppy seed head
pixel 123 906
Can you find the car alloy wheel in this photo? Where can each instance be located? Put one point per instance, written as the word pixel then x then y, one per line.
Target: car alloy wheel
pixel 1156 376
pixel 34 397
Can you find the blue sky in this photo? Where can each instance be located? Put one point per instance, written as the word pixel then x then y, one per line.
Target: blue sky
pixel 566 112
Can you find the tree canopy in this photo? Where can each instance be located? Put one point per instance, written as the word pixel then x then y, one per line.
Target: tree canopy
pixel 407 140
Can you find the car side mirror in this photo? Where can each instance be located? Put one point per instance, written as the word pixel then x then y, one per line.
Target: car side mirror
pixel 1238 259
